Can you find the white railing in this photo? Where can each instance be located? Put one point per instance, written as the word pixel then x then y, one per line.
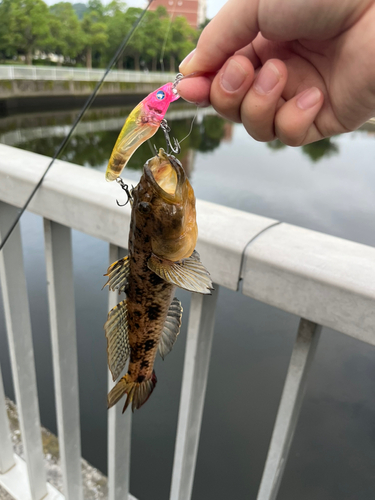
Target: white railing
pixel 81 74
pixel 327 281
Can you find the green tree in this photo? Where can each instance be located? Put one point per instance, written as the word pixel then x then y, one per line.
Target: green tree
pixel 154 32
pixel 212 132
pixel 67 36
pixel 320 149
pixel 204 24
pixel 138 40
pixel 181 40
pixel 80 9
pixel 95 35
pixel 97 7
pixel 118 25
pixel 27 27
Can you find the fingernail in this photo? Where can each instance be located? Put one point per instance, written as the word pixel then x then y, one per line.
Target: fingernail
pixel 309 98
pixel 186 60
pixel 233 77
pixel 269 76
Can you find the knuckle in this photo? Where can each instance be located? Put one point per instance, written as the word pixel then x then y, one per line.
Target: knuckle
pixel 228 113
pixel 260 132
pixel 294 142
pixel 289 135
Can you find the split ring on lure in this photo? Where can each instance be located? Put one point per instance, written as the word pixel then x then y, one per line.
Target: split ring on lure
pixel 142 123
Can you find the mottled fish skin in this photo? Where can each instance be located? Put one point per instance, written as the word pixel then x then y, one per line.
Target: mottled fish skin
pixel 148 300
pixel 162 238
pixel 148 295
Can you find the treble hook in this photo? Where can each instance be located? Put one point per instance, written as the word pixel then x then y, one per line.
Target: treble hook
pixel 176 149
pixel 125 187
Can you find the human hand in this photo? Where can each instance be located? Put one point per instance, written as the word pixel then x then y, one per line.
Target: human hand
pixel 298 71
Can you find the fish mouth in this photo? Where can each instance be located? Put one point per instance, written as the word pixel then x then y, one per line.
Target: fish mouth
pixel 166 175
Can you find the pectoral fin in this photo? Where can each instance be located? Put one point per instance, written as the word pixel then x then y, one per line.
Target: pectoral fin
pixel 118 275
pixel 189 274
pixel 116 332
pixel 171 328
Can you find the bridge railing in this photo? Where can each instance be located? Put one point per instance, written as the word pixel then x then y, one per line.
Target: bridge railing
pixel 80 74
pixel 327 281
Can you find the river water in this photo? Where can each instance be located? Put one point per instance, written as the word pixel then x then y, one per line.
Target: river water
pixel 328 187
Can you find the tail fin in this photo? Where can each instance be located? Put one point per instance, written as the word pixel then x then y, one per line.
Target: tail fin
pixel 137 392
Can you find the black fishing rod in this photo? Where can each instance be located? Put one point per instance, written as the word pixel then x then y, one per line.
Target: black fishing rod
pixel 85 107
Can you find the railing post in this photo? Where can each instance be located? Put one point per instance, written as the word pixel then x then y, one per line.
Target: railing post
pixel 119 426
pixel 17 319
pixel 59 264
pixel 291 400
pixel 6 448
pixel 194 382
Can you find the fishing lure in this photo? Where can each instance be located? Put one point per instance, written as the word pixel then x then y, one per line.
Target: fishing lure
pixel 142 123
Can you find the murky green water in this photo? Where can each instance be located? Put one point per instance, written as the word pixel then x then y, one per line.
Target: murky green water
pixel 329 187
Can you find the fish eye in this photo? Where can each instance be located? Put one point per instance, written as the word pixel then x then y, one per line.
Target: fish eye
pixel 160 95
pixel 144 207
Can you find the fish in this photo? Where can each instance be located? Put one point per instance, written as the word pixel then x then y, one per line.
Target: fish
pixel 162 256
pixel 142 123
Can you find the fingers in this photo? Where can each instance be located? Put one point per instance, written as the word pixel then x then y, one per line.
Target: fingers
pixel 258 103
pixel 266 115
pixel 261 103
pixel 294 121
pixel 196 90
pixel 230 86
pixel 234 27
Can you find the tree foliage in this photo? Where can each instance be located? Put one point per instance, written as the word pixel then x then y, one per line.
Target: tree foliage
pixel 67 37
pixel 95 35
pixel 80 9
pixel 91 33
pixel 24 27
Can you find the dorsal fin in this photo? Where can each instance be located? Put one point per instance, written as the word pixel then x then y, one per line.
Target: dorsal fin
pixel 171 328
pixel 189 274
pixel 118 275
pixel 116 332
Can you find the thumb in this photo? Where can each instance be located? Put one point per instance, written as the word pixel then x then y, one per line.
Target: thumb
pixel 234 27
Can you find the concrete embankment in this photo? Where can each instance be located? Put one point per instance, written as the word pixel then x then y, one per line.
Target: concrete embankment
pixel 31 95
pixel 94 482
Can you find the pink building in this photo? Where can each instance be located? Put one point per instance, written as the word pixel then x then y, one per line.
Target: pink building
pixel 193 10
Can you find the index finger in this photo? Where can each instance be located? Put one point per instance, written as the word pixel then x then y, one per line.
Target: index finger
pixel 234 27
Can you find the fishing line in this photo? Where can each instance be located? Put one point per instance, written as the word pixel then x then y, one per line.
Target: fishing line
pixel 153 148
pixel 161 60
pixel 191 126
pixel 85 107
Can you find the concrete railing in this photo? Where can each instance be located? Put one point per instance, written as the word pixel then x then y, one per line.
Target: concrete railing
pixel 80 74
pixel 327 281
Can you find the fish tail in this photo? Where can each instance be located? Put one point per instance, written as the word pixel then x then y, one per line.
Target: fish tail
pixel 137 392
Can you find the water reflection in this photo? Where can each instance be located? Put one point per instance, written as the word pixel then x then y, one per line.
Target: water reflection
pixel 252 343
pixel 315 151
pixel 94 138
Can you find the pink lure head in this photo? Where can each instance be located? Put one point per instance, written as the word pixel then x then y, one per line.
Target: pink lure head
pixel 157 102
